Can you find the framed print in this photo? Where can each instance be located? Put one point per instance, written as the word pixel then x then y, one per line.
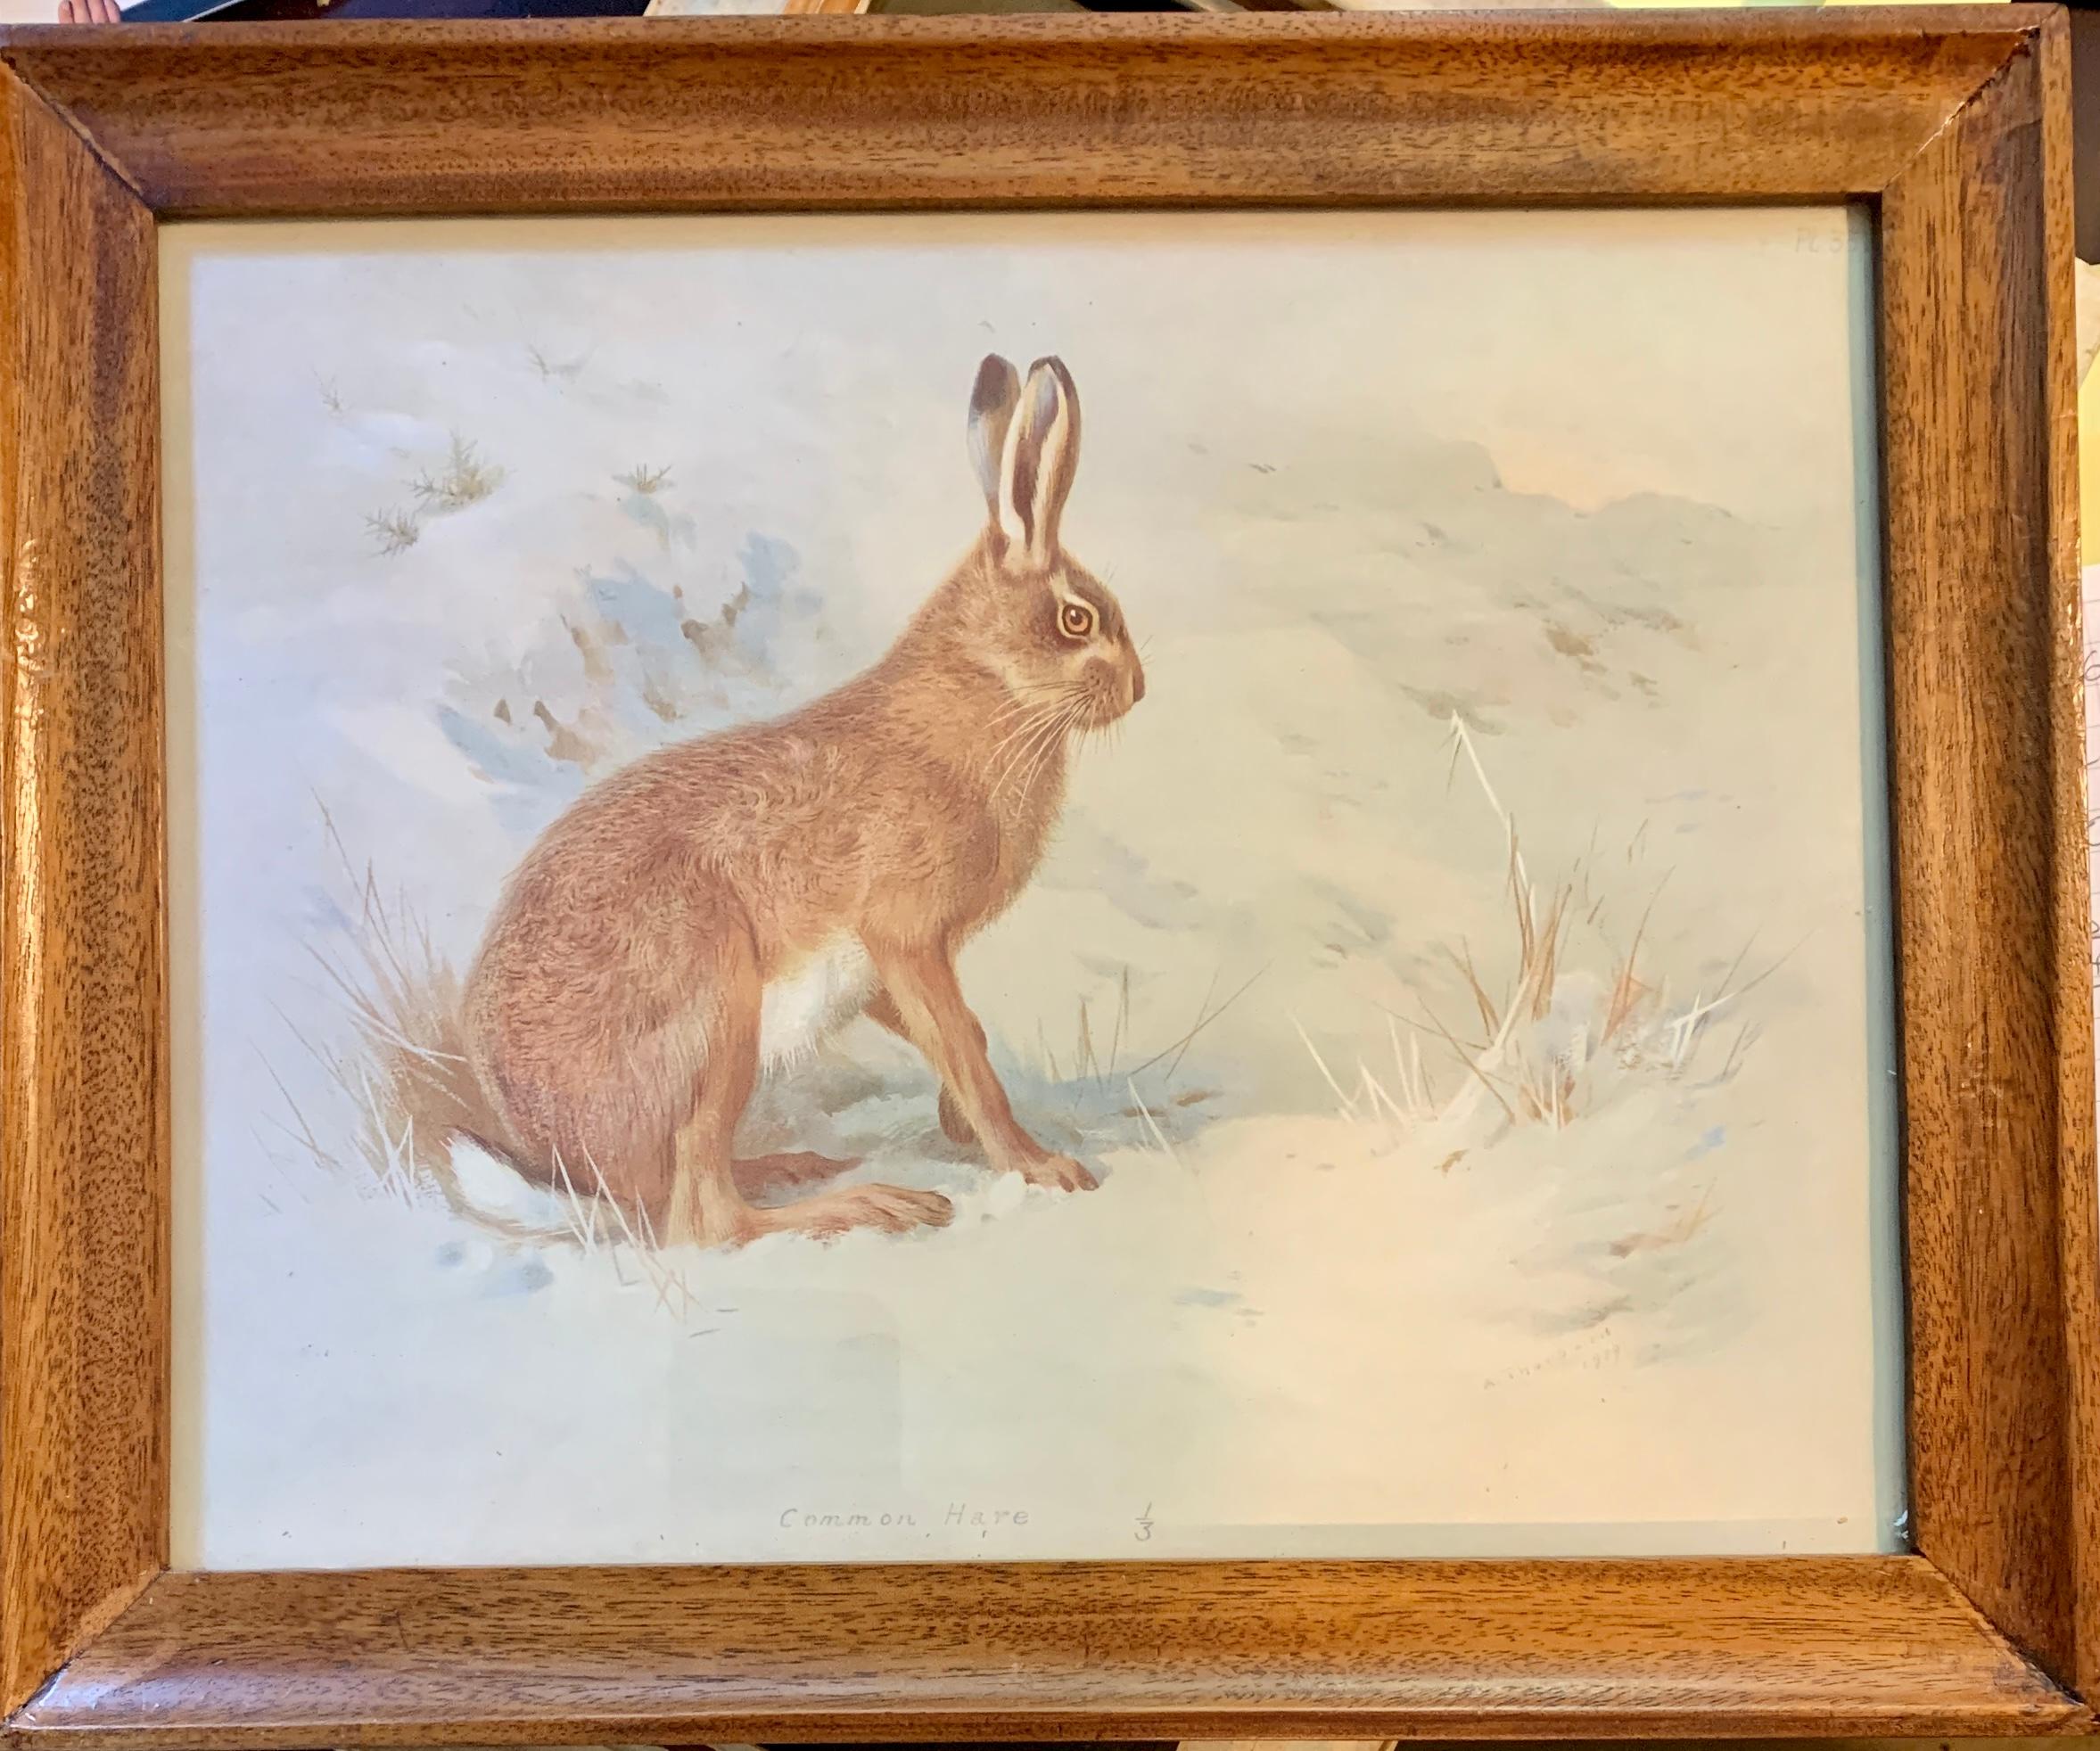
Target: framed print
pixel 981 878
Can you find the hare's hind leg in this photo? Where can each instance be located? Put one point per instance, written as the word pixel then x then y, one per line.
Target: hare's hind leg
pixel 707 1208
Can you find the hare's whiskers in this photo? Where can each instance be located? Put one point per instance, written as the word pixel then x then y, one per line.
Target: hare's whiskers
pixel 1029 702
pixel 1035 727
pixel 1075 720
pixel 1018 775
pixel 1052 743
pixel 1033 701
pixel 1028 724
pixel 1038 710
pixel 1028 727
pixel 1043 734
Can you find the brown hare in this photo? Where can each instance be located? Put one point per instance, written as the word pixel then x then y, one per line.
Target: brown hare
pixel 718 907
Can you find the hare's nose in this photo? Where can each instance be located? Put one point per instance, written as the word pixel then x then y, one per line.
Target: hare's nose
pixel 1137 680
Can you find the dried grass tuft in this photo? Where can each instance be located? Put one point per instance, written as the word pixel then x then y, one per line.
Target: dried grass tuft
pixel 1556 1039
pixel 644 480
pixel 392 531
pixel 462 478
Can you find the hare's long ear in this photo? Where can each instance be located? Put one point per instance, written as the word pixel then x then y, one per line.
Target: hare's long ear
pixel 992 413
pixel 1044 457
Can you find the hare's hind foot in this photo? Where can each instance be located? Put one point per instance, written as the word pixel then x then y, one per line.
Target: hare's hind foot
pixel 823 1215
pixel 1060 1173
pixel 826 1215
pixel 763 1177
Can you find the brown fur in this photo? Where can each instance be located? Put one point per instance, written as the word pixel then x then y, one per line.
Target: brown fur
pixel 612 1018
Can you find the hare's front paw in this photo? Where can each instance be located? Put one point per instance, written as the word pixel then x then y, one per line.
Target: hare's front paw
pixel 1060 1173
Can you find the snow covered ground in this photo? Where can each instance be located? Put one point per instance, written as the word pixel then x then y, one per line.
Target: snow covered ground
pixel 1595 1259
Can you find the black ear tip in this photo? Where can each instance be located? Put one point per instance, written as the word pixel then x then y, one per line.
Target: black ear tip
pixel 1056 366
pixel 997 380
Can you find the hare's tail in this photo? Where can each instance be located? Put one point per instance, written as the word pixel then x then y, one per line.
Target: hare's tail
pixel 486 1185
pixel 425 1107
pixel 465 1158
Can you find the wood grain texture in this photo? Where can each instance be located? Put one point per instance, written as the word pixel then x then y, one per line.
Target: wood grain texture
pixel 2079 1175
pixel 1989 837
pixel 1952 111
pixel 882 111
pixel 83 1035
pixel 1861 1645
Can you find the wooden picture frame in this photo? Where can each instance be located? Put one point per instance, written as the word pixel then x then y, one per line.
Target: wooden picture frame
pixel 1951 126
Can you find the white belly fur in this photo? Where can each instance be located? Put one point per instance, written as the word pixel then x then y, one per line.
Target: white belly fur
pixel 811 999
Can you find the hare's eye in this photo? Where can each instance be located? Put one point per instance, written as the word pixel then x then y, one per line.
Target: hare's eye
pixel 1075 620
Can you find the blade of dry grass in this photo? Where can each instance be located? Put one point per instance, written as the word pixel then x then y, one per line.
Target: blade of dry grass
pixel 1180 1047
pixel 1466 1060
pixel 1463 959
pixel 1348 1106
pixel 1152 1125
